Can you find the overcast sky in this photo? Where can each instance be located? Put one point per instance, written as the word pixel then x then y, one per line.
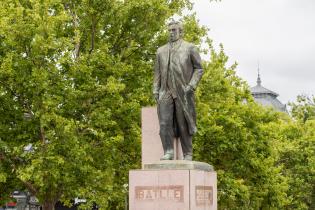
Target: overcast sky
pixel 280 34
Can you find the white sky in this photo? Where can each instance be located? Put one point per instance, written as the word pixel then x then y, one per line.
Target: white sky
pixel 280 34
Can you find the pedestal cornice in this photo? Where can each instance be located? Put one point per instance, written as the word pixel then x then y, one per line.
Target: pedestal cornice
pixel 178 165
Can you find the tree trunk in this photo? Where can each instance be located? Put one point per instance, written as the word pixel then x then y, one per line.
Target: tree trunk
pixel 48 205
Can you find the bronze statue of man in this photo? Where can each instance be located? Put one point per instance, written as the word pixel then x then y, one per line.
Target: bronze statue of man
pixel 176 75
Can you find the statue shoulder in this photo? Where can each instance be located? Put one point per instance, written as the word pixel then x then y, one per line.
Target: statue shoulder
pixel 162 49
pixel 189 45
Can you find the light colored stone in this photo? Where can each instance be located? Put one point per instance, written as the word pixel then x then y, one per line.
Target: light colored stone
pixel 169 184
pixel 204 189
pixel 152 149
pixel 172 190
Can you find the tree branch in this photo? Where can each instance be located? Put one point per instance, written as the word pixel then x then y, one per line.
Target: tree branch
pixel 27 184
pixel 75 21
pixel 42 135
pixel 93 28
pixel 30 187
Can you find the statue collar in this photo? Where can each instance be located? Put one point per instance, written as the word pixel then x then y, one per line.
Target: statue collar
pixel 175 45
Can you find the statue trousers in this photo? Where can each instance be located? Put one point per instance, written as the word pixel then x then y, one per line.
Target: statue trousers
pixel 170 112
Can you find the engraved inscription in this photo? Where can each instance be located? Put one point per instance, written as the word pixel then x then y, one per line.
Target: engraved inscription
pixel 204 195
pixel 161 193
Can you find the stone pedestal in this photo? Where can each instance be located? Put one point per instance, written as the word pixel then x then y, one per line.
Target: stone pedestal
pixel 152 149
pixel 170 184
pixel 188 186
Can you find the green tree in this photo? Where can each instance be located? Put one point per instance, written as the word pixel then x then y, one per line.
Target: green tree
pixel 73 77
pixel 236 135
pixel 297 154
pixel 304 108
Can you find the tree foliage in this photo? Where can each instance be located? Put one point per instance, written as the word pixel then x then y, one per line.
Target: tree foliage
pixel 264 159
pixel 304 108
pixel 74 74
pixel 297 154
pixel 236 136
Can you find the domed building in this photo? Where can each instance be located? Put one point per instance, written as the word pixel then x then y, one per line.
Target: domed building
pixel 267 97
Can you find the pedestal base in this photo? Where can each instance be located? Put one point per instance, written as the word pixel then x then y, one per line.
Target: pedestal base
pixel 173 189
pixel 179 164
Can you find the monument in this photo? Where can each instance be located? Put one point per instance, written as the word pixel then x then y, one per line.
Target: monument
pixel 169 179
pixel 176 75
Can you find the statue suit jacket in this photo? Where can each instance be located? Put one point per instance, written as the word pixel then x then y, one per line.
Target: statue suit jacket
pixel 185 62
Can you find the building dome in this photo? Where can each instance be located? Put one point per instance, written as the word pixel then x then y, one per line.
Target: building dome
pixel 267 97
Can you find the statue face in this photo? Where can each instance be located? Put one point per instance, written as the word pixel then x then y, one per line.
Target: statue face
pixel 174 32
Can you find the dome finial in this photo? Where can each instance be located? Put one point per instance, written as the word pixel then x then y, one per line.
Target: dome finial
pixel 258 78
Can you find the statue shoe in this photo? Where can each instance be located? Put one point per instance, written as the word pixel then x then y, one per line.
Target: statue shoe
pixel 188 157
pixel 167 156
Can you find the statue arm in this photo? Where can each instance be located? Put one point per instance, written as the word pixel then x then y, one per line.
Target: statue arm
pixel 157 76
pixel 197 68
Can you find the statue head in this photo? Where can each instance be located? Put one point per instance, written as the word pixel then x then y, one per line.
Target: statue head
pixel 175 30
